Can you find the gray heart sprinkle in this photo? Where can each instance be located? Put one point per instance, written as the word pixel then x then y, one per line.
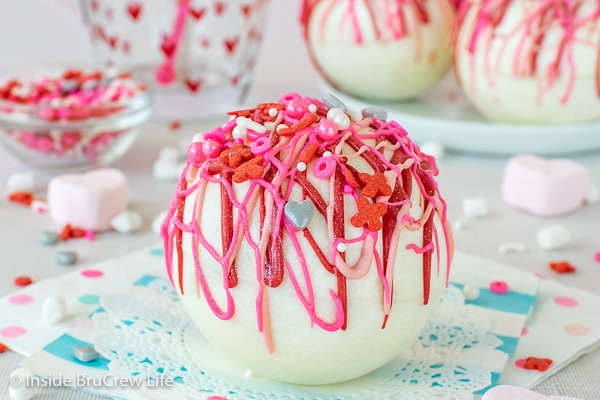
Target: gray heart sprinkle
pixel 299 214
pixel 374 112
pixel 333 102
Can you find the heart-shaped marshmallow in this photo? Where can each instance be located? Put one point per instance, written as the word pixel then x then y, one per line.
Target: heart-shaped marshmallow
pixel 88 201
pixel 299 214
pixel 544 187
pixel 507 392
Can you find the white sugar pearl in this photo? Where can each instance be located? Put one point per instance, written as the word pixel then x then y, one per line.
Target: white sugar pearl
pixel 435 149
pixel 238 132
pixel 281 126
pixel 301 166
pixel 169 153
pixel 20 182
pixel 158 220
pixel 341 247
pixel 475 207
pixel 553 237
pixel 54 309
pixel 312 108
pixel 327 154
pixel 273 112
pixel 20 385
pixel 511 247
pixel 471 292
pixel 592 196
pixel 342 121
pixel 333 112
pixel 126 222
pixel 165 170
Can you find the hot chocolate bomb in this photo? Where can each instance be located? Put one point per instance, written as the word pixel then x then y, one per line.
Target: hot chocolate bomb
pixel 307 242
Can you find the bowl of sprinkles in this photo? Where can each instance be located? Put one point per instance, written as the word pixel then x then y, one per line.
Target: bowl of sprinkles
pixel 73 120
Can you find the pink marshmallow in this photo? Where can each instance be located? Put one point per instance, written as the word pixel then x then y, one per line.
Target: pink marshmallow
pixel 544 187
pixel 507 392
pixel 88 201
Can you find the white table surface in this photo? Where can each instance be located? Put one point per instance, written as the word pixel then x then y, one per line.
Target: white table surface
pixel 36 33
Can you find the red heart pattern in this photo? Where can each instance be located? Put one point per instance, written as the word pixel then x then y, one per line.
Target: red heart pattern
pixel 109 14
pixel 235 80
pixel 193 84
pixel 231 45
pixel 126 47
pixel 113 41
pixel 205 42
pixel 246 10
pixel 134 10
pixel 167 46
pixel 219 7
pixel 94 6
pixel 197 13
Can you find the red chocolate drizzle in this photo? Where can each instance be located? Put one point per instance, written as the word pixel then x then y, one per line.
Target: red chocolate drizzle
pixel 227 229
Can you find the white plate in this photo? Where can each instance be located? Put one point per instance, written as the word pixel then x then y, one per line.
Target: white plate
pixel 444 115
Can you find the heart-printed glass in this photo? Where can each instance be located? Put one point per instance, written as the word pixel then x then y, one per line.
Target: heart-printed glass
pixel 197 55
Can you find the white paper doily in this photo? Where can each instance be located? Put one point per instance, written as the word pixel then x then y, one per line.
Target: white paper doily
pixel 149 334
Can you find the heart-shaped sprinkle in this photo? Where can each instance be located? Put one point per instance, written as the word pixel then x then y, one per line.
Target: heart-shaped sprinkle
pixel 219 7
pixel 374 112
pixel 134 10
pixel 193 84
pixel 507 392
pixel 197 13
pixel 299 214
pixel 333 102
pixel 231 44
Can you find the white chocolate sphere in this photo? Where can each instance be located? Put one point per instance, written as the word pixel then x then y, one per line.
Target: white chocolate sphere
pixel 523 69
pixel 292 345
pixel 365 49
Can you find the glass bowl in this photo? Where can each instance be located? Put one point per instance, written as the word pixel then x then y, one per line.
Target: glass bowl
pixel 75 120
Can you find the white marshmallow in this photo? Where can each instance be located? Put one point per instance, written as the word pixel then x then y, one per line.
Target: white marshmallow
pixel 165 170
pixel 20 182
pixel 126 222
pixel 471 292
pixel 169 153
pixel 475 207
pixel 435 149
pixel 54 309
pixel 19 389
pixel 511 247
pixel 158 220
pixel 553 237
pixel 592 195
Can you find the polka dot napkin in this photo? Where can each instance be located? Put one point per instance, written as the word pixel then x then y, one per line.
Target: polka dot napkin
pixel 562 325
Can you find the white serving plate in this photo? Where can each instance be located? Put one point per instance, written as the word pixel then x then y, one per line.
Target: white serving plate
pixel 444 115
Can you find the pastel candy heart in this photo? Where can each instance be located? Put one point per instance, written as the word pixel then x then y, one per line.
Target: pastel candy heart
pixel 299 214
pixel 544 187
pixel 506 392
pixel 88 201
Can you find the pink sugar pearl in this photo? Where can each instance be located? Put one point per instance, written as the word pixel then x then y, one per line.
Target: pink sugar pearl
pixel 327 129
pixel 196 154
pixel 296 108
pixel 211 148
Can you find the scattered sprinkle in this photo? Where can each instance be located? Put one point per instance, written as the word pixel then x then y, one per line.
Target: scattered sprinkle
pixel 475 207
pixel 3 347
pixel 348 189
pixel 175 125
pixel 85 353
pixel 327 154
pixel 511 247
pixel 562 267
pixel 597 256
pixel 301 166
pixel 553 237
pixel 369 214
pixel 498 287
pixel 312 108
pixel 341 247
pixel 66 258
pixel 48 238
pixel 273 112
pixel 54 309
pixel 23 281
pixel 25 198
pixel 540 364
pixel 471 292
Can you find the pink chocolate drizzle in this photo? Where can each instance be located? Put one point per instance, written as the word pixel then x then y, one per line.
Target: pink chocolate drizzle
pixel 268 193
pixel 543 17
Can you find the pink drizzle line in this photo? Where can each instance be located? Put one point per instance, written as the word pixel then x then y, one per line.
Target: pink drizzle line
pixel 197 178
